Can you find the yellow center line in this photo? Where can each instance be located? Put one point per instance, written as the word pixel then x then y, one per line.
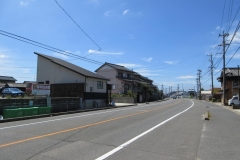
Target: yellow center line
pixel 80 127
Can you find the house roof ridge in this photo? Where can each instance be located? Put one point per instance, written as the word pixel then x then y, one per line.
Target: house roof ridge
pixel 71 66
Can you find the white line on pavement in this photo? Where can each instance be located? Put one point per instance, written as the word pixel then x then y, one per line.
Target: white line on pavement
pixel 139 136
pixel 59 119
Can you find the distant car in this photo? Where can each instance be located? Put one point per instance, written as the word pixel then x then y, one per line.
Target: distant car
pixel 13 92
pixel 174 97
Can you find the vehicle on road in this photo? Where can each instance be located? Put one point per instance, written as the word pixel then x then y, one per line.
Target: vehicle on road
pixel 233 101
pixel 174 97
pixel 13 92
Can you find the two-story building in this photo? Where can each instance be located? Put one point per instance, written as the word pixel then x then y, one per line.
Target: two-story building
pixel 123 79
pixel 232 82
pixel 52 70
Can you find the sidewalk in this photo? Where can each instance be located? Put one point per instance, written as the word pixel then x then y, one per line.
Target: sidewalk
pixel 227 107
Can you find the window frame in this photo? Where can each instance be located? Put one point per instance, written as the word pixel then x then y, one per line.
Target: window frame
pixel 99 84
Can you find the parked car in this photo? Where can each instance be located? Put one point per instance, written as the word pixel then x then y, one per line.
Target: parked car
pixel 13 92
pixel 233 101
pixel 174 97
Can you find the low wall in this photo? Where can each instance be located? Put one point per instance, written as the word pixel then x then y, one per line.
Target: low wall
pixel 123 99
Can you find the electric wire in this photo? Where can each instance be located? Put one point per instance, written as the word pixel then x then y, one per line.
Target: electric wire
pixel 47 47
pixel 77 25
pixel 233 19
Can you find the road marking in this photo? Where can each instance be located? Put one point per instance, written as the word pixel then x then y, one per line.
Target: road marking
pixel 80 127
pixel 59 119
pixel 139 136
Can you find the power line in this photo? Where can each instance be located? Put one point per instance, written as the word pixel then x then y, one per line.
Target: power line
pixel 233 56
pixel 223 14
pixel 47 47
pixel 234 18
pixel 229 14
pixel 77 24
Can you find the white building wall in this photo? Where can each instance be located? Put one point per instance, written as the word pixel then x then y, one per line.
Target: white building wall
pixel 92 82
pixel 54 73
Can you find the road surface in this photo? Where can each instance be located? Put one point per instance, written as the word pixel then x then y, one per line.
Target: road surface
pixel 168 130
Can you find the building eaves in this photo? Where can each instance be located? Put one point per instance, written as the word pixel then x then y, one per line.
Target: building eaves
pixel 72 67
pixel 7 78
pixel 229 72
pixel 115 66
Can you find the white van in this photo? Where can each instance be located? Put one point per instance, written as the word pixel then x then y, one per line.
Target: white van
pixel 233 101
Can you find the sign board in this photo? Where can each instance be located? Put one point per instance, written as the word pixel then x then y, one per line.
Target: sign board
pixel 41 89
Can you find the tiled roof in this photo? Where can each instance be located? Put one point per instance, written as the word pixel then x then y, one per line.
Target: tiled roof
pixel 230 72
pixel 6 78
pixel 71 66
pixel 115 66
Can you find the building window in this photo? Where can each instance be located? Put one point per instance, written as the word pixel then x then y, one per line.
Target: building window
pixel 47 82
pixel 125 75
pixel 120 74
pixel 99 85
pixel 90 89
pixel 113 86
pixel 126 87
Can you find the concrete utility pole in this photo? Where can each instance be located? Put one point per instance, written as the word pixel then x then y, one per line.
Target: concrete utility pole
pixel 178 89
pixel 224 35
pixel 199 82
pixel 197 87
pixel 238 85
pixel 211 67
pixel 162 91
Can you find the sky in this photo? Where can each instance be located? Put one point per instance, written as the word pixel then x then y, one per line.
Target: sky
pixel 167 41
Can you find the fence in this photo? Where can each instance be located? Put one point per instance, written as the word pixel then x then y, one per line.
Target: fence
pixel 57 104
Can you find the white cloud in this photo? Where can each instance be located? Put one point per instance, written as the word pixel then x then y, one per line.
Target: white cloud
pixel 61 55
pixel 125 12
pixel 186 77
pixel 147 59
pixel 104 53
pixel 170 62
pixel 107 13
pixel 130 65
pixel 236 56
pixel 217 70
pixel 146 72
pixel 2 56
pixel 218 28
pixel 24 3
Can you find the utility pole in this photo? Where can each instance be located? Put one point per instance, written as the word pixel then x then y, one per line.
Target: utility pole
pixel 178 89
pixel 162 91
pixel 224 35
pixel 199 82
pixel 238 85
pixel 197 87
pixel 132 82
pixel 211 67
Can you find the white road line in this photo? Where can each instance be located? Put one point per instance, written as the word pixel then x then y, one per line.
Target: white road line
pixel 139 136
pixel 59 119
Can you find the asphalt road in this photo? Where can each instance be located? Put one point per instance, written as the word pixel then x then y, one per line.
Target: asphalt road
pixel 169 130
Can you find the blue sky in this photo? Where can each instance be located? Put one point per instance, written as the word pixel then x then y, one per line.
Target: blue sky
pixel 164 40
